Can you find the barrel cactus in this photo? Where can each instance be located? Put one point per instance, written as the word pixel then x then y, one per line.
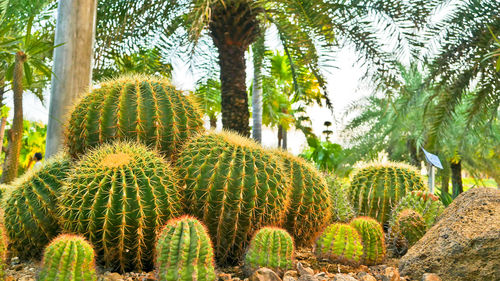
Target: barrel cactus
pixel 3 250
pixel 341 206
pixel 68 258
pixel 184 251
pixel 410 225
pixel 31 208
pixel 134 108
pixel 270 247
pixel 372 237
pixel 308 212
pixel 339 242
pixel 377 188
pixel 118 196
pixel 235 187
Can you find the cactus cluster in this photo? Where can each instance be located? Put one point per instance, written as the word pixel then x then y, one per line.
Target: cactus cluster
pixel 235 187
pixel 411 226
pixel 377 188
pixel 119 196
pixel 426 204
pixel 270 247
pixel 134 108
pixel 68 258
pixel 341 206
pixel 31 208
pixel 184 251
pixel 339 242
pixel 372 237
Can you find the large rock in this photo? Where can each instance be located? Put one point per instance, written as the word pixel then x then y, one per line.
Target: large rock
pixel 465 242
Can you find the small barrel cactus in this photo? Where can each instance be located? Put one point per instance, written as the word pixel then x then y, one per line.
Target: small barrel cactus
pixel 235 187
pixel 341 207
pixel 134 108
pixel 68 258
pixel 411 226
pixel 119 196
pixel 31 208
pixel 372 237
pixel 270 247
pixel 3 249
pixel 308 212
pixel 184 251
pixel 339 242
pixel 377 188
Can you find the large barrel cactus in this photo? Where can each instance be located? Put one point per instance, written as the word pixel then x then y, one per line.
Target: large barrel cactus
pixel 31 208
pixel 339 242
pixel 372 237
pixel 235 187
pixel 309 210
pixel 377 188
pixel 68 258
pixel 119 196
pixel 184 251
pixel 134 108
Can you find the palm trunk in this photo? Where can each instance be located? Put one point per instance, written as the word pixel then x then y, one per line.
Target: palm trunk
pixel 280 135
pixel 445 179
pixel 285 139
pixel 456 178
pixel 3 122
pixel 412 149
pixel 213 122
pixel 258 50
pixel 15 135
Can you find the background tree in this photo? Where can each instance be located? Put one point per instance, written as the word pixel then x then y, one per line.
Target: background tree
pixel 208 95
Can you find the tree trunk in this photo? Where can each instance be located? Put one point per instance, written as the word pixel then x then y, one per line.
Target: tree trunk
pixel 258 50
pixel 445 179
pixel 15 135
pixel 456 178
pixel 280 135
pixel 285 139
pixel 213 122
pixel 412 149
pixel 72 65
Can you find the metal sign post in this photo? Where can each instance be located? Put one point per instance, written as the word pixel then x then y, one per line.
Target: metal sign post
pixel 432 161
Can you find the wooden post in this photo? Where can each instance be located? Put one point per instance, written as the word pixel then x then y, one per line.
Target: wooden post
pixel 72 65
pixel 431 179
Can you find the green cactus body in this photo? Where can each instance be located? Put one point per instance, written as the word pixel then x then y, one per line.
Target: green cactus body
pixel 309 210
pixel 184 251
pixel 372 237
pixel 235 187
pixel 341 206
pixel 377 188
pixel 134 108
pixel 339 242
pixel 270 247
pixel 119 196
pixel 31 208
pixel 3 250
pixel 68 258
pixel 411 226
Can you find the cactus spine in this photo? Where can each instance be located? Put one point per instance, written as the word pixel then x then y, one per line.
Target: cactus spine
pixel 134 108
pixel 119 196
pixel 30 210
pixel 339 242
pixel 68 258
pixel 184 251
pixel 270 247
pixel 235 187
pixel 372 237
pixel 411 226
pixel 377 188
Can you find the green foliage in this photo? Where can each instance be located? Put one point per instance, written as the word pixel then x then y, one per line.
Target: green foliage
pixel 426 204
pixel 411 226
pixel 372 237
pixel 69 258
pixel 376 188
pixel 30 210
pixel 141 108
pixel 270 247
pixel 339 242
pixel 235 187
pixel 341 207
pixel 329 157
pixel 208 96
pixel 3 249
pixel 184 251
pixel 119 196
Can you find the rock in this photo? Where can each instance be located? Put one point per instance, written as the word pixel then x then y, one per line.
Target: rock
pixel 224 276
pixel 343 277
pixel 291 273
pixel 304 270
pixel 264 274
pixel 465 242
pixel 391 274
pixel 14 261
pixel 289 278
pixel 108 276
pixel 431 277
pixel 366 277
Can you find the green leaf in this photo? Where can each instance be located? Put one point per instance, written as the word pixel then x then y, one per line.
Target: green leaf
pixel 28 73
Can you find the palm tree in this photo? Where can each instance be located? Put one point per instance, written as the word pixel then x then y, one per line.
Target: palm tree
pixel 208 95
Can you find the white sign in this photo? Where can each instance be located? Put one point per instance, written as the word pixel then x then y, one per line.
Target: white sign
pixel 432 159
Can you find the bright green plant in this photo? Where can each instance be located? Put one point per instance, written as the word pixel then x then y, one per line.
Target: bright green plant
pixel 372 237
pixel 119 196
pixel 69 258
pixel 339 242
pixel 270 247
pixel 328 156
pixel 30 210
pixel 184 251
pixel 378 187
pixel 141 108
pixel 235 187
pixel 341 206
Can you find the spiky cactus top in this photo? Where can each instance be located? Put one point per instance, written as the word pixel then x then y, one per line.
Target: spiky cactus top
pixel 372 237
pixel 184 251
pixel 30 209
pixel 309 210
pixel 270 247
pixel 68 258
pixel 235 187
pixel 339 242
pixel 119 196
pixel 377 188
pixel 134 108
